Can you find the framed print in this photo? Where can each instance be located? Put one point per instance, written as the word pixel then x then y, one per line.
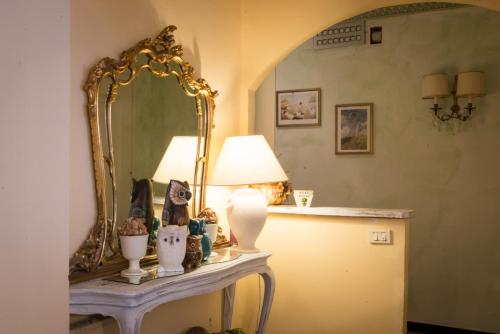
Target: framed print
pixel 300 107
pixel 354 128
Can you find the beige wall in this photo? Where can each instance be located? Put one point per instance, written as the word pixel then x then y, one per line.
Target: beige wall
pixel 34 165
pixel 329 278
pixel 444 172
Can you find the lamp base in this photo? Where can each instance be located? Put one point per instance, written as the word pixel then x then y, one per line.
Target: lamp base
pixel 247 213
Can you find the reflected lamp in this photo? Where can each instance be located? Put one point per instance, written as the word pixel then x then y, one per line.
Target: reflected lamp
pixel 467 85
pixel 179 160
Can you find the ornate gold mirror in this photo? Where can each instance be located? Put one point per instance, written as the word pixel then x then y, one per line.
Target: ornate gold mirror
pixel 136 105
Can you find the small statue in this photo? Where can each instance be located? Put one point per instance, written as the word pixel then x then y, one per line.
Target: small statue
pixel 221 238
pixel 171 248
pixel 209 215
pixel 175 211
pixel 142 202
pixel 172 234
pixel 194 253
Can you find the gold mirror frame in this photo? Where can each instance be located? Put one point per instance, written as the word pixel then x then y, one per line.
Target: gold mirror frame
pixel 89 261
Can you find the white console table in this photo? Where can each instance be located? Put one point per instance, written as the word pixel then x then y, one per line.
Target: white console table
pixel 128 303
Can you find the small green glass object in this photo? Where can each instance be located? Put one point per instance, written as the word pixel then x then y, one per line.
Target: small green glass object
pixel 206 245
pixel 153 235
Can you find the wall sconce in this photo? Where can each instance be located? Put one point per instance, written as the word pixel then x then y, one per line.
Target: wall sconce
pixel 467 84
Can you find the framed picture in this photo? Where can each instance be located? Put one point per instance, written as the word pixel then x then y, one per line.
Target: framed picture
pixel 300 107
pixel 354 128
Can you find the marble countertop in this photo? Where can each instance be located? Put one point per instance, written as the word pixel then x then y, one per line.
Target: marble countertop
pixel 342 212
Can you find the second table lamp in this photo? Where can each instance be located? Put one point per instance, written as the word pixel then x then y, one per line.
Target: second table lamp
pixel 246 160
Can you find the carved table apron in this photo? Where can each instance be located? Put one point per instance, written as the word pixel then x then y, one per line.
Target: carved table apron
pixel 128 303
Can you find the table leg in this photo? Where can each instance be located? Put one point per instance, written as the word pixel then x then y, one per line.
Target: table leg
pixel 227 308
pixel 129 322
pixel 268 278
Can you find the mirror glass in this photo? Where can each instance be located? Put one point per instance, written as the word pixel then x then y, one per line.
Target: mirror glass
pixel 147 113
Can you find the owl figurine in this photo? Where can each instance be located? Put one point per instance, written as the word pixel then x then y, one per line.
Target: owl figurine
pixel 175 211
pixel 194 253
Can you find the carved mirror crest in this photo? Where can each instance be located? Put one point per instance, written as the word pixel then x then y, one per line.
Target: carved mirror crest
pixel 135 105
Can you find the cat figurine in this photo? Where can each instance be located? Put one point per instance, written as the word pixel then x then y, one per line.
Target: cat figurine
pixel 175 211
pixel 171 248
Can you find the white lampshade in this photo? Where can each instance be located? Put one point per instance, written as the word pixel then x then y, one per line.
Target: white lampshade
pixel 435 85
pixel 246 160
pixel 470 84
pixel 179 161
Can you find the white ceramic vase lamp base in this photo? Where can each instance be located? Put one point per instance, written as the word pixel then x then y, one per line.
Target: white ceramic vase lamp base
pixel 247 213
pixel 133 249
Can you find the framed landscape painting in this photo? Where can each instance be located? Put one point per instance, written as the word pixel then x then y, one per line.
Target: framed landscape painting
pixel 300 107
pixel 354 128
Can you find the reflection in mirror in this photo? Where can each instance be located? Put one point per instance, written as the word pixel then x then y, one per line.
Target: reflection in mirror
pixel 446 171
pixel 136 106
pixel 178 161
pixel 145 117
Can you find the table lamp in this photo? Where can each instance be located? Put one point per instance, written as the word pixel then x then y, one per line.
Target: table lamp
pixel 246 160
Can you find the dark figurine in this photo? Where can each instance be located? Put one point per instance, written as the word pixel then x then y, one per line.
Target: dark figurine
pixel 194 253
pixel 142 202
pixel 175 211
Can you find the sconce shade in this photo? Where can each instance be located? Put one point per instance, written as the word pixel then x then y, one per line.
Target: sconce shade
pixel 179 161
pixel 435 85
pixel 246 160
pixel 470 84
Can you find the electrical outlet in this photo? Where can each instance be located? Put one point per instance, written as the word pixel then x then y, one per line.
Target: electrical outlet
pixel 383 237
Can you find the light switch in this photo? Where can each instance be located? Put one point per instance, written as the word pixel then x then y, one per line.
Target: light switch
pixel 382 236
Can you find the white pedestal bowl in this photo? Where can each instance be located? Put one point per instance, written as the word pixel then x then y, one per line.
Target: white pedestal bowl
pixel 133 249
